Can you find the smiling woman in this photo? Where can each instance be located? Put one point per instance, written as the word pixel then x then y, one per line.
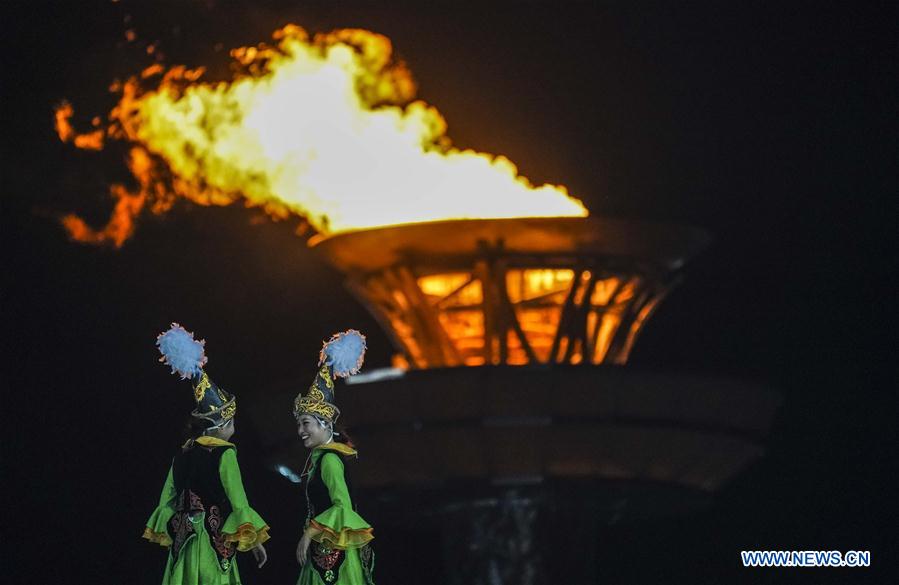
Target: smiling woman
pixel 334 548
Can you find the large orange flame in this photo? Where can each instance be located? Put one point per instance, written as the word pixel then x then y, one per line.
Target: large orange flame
pixel 326 128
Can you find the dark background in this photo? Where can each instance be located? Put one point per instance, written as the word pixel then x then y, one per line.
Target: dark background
pixel 772 126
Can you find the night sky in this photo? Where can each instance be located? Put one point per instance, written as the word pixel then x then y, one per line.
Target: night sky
pixel 771 126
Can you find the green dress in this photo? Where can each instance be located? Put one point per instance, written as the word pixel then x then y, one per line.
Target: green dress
pixel 340 554
pixel 196 562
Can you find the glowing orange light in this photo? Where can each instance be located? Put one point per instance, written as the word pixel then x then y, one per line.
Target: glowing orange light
pixel 537 297
pixel 323 127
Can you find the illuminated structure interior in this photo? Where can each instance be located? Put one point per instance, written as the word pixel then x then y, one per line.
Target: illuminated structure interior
pixel 513 292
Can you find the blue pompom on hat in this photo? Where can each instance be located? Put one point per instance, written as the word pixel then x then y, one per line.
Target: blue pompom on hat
pixel 187 356
pixel 180 351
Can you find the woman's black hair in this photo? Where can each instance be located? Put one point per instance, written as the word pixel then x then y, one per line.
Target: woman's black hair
pixel 195 427
pixel 342 435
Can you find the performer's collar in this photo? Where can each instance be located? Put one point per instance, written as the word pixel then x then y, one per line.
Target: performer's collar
pixel 341 448
pixel 208 442
pixel 213 442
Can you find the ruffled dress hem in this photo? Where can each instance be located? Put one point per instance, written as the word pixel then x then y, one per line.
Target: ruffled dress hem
pixel 344 539
pixel 160 538
pixel 247 536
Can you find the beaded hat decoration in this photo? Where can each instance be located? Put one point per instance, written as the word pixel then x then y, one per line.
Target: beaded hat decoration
pixel 186 356
pixel 340 357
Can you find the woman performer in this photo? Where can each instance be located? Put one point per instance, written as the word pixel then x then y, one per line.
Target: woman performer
pixel 203 517
pixel 334 548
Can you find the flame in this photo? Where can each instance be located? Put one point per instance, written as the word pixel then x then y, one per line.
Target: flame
pixel 325 128
pixel 88 141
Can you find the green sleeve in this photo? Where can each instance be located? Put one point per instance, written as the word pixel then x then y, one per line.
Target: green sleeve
pixel 341 527
pixel 243 525
pixel 155 529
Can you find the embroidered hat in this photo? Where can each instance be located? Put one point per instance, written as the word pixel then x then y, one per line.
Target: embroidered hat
pixel 340 357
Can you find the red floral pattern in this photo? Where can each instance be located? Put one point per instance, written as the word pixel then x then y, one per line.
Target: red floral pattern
pixel 327 561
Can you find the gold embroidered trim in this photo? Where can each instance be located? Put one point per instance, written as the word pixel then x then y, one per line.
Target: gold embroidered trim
pixel 226 411
pixel 307 405
pixel 229 410
pixel 201 387
pixel 325 375
pixel 314 401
